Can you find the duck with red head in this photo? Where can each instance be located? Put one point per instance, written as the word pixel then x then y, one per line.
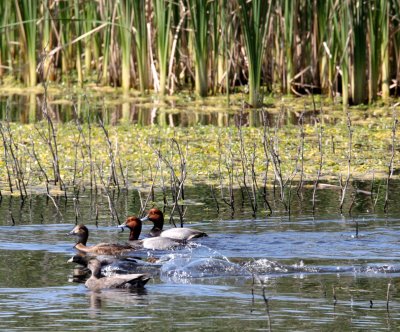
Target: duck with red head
pixel 97 282
pixel 82 234
pixel 183 233
pixel 154 243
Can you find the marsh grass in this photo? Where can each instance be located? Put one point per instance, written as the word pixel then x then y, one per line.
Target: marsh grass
pixel 91 152
pixel 280 46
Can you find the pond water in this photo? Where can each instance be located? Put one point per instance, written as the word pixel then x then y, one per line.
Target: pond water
pixel 307 271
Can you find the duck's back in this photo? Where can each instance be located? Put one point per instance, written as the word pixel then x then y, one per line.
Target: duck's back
pixel 160 243
pixel 118 281
pixel 106 248
pixel 182 233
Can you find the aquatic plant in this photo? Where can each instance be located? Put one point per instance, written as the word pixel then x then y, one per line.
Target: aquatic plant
pixel 162 19
pixel 27 12
pixel 255 17
pixel 125 13
pixel 199 20
pixel 299 46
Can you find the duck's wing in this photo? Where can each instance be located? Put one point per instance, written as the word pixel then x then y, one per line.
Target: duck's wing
pixel 125 281
pixel 182 233
pixel 161 243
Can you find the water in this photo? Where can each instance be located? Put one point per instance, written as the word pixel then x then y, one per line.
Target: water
pixel 303 271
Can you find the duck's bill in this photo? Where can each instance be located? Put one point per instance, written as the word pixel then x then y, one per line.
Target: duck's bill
pixel 122 227
pixel 145 218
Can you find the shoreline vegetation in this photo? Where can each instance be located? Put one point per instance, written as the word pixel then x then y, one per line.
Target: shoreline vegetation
pixel 337 48
pixel 286 149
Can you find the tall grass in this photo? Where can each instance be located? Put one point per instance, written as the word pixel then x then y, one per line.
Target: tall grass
pixel 125 13
pixel 255 17
pixel 359 55
pixel 142 50
pixel 162 21
pixel 349 47
pixel 27 11
pixel 384 7
pixel 199 21
pixel 5 49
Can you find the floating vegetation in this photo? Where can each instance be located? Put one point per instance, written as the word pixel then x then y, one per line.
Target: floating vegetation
pixel 281 149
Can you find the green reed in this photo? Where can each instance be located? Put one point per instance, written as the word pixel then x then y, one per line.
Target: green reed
pixel 125 21
pixel 359 54
pixel 222 45
pixel 78 31
pixel 289 18
pixel 106 15
pixel 5 51
pixel 142 50
pixel 199 21
pixel 384 8
pixel 255 17
pixel 162 21
pixel 27 11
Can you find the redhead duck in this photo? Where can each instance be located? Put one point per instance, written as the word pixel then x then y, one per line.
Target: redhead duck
pixel 82 233
pixel 184 233
pixel 153 243
pixel 129 281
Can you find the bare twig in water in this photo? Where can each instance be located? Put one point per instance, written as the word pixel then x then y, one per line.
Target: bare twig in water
pixel 50 138
pixel 349 155
pixel 388 295
pixel 11 150
pixel 390 167
pixel 267 160
pixel 87 145
pixel 111 206
pixel 252 196
pixel 301 152
pixel 319 171
pixel 334 295
pixel 113 179
pixel 41 169
pixel 177 182
pixel 229 164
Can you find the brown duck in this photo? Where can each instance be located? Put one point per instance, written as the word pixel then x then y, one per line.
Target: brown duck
pixel 183 233
pixel 155 243
pixel 128 281
pixel 82 234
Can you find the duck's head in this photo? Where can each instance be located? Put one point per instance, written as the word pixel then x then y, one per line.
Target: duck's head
pixel 94 266
pixel 135 226
pixel 81 232
pixel 157 218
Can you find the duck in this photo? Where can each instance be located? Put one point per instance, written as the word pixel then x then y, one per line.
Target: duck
pixel 154 243
pixel 83 260
pixel 112 265
pixel 128 281
pixel 82 233
pixel 157 218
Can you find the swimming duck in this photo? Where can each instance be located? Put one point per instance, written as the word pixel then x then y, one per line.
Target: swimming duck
pixel 129 281
pixel 184 233
pixel 153 243
pixel 82 233
pixel 112 265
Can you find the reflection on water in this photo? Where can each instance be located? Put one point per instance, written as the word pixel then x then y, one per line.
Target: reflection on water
pixel 319 271
pixel 146 111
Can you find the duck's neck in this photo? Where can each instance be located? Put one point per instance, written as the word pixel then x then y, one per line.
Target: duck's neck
pixel 135 233
pixel 96 272
pixel 155 231
pixel 81 247
pixel 158 226
pixel 82 238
